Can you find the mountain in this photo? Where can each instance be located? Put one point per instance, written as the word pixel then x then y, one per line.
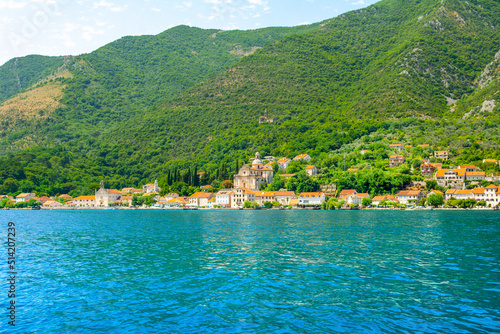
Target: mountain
pixel 416 70
pixel 19 74
pixel 358 73
pixel 90 93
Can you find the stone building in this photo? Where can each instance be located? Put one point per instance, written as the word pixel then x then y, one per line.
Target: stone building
pixel 103 197
pixel 252 177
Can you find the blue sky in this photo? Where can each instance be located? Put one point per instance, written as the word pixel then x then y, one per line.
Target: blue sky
pixel 71 27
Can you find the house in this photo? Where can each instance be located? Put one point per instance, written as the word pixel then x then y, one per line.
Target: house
pixel 262 197
pixel 443 155
pixel 104 197
pixel 151 188
pixel 286 176
pixel 285 197
pixel 492 195
pixel 126 200
pixel 494 161
pixel 423 145
pixel 453 176
pixel 253 177
pixel 435 192
pixel 397 147
pixel 311 170
pixel 363 152
pixel 24 197
pixel 353 170
pixel 314 198
pixel 176 202
pixel 283 163
pixel 265 118
pixel 84 201
pixel 469 168
pixel 127 191
pixel 378 199
pixel 449 194
pixel 239 196
pixel 437 165
pixel 42 199
pixel 200 174
pixel 475 175
pixel 360 196
pixel 223 198
pixel 170 196
pixel 347 192
pixel 65 197
pixel 427 169
pixel 302 156
pixel 396 160
pixel 409 196
pixel 51 204
pixel 200 199
pixel 463 194
pixel 207 187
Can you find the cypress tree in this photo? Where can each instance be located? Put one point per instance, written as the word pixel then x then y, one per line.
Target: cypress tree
pixel 196 179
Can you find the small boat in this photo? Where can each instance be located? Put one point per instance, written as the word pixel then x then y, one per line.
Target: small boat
pixel 36 207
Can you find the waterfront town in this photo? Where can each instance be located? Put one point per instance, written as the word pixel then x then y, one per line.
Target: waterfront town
pixel 459 186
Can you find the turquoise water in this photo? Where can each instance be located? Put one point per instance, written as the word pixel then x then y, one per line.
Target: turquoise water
pixel 255 272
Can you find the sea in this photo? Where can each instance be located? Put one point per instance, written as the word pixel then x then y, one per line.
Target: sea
pixel 140 271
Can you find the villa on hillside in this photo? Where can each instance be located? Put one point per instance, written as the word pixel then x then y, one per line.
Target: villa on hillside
pixel 396 160
pixel 443 155
pixel 398 147
pixel 311 170
pixel 24 197
pixel 302 156
pixel 409 196
pixel 283 163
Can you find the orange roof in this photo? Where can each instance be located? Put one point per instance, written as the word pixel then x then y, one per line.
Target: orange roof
pixel 284 160
pixel 490 160
pixel 478 190
pixel 463 192
pixel 23 195
pixel 409 193
pixel 207 187
pixel 451 191
pixel 396 157
pixel 114 191
pixel 84 198
pixel 436 165
pixel 441 151
pixel 438 192
pixel 301 156
pixel 310 167
pixel 284 193
pixel 302 195
pixel 127 198
pixel 200 173
pixel 353 169
pixel 287 175
pixel 467 166
pixel 379 198
pixel 65 196
pixel 476 173
pixel 361 195
pixel 459 172
pixel 177 200
pixel 201 195
pixel 347 192
pixel 492 186
pixel 395 145
pixel 265 194
pixel 423 145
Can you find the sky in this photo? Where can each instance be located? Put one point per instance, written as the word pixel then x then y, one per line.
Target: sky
pixel 72 27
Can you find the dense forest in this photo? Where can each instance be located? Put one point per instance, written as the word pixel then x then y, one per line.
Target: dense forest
pixel 418 71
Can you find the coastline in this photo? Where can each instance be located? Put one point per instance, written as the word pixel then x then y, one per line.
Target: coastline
pixel 249 209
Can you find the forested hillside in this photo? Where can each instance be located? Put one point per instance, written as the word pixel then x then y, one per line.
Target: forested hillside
pixel 99 90
pixel 419 71
pixel 20 73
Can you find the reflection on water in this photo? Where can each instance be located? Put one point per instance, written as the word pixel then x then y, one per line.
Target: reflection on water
pixel 258 272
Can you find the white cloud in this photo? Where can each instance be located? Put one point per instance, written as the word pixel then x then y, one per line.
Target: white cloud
pixel 10 4
pixel 111 6
pixel 88 32
pixel 360 2
pixel 156 9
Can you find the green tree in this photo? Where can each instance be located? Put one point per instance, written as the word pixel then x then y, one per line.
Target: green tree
pixel 366 201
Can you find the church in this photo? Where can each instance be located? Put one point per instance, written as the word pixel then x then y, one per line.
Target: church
pixel 103 197
pixel 252 177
